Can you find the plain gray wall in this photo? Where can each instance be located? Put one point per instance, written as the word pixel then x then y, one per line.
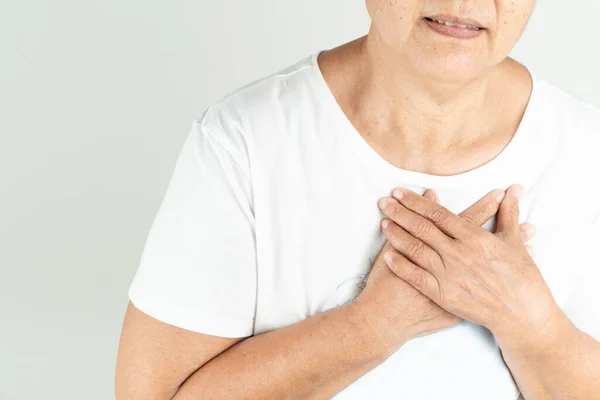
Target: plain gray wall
pixel 96 98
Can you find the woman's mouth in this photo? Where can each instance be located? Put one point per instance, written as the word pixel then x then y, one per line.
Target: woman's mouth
pixel 454 27
pixel 477 28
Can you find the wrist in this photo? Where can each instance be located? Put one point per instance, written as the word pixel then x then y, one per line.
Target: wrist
pixel 537 336
pixel 375 330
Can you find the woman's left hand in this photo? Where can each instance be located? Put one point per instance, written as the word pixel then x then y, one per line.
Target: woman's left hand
pixel 487 278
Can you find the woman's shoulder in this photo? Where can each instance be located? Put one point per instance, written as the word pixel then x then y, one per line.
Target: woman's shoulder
pixel 569 125
pixel 578 118
pixel 263 99
pixel 575 124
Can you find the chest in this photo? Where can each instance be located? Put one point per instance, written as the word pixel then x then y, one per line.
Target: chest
pixel 317 253
pixel 315 249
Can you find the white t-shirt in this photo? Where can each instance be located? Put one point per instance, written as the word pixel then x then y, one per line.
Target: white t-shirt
pixel 271 216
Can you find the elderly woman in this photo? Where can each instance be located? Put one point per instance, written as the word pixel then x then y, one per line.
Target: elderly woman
pixel 360 225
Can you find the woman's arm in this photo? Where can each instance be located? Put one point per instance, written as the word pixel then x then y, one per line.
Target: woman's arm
pixel 155 358
pixel 489 279
pixel 559 363
pixel 313 359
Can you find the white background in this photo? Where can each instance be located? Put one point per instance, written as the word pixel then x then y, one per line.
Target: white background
pixel 96 98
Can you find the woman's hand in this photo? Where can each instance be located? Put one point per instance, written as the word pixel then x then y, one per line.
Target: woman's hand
pixel 486 278
pixel 400 312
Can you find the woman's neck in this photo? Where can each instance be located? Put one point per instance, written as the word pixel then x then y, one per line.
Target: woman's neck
pixel 421 119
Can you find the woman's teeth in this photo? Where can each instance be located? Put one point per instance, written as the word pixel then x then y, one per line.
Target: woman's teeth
pixel 451 24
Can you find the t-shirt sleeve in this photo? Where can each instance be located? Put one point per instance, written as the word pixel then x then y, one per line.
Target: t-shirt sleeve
pixel 583 307
pixel 198 267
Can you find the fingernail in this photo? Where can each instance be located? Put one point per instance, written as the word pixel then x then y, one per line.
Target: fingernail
pixel 385 223
pixel 388 257
pixel 530 230
pixel 383 203
pixel 431 195
pixel 398 193
pixel 518 191
pixel 500 196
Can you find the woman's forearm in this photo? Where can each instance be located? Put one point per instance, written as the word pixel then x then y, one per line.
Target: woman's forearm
pixel 312 359
pixel 564 365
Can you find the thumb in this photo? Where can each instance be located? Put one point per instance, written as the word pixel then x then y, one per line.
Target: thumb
pixel 508 215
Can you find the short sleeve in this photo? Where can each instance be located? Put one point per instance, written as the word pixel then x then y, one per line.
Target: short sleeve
pixel 583 307
pixel 197 270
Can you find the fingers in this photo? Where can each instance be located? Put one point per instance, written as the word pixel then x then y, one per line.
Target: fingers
pixel 527 232
pixel 415 276
pixel 412 248
pixel 444 219
pixel 480 212
pixel 431 195
pixel 486 208
pixel 415 224
pixel 508 215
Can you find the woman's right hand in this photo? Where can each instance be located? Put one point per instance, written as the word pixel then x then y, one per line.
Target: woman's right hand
pixel 396 310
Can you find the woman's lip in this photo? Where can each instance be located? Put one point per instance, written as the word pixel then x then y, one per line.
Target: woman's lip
pixel 456 20
pixel 454 31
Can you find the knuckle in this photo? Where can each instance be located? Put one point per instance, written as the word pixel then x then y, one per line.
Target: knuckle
pixel 421 227
pixel 439 215
pixel 415 249
pixel 513 210
pixel 418 277
pixel 469 219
